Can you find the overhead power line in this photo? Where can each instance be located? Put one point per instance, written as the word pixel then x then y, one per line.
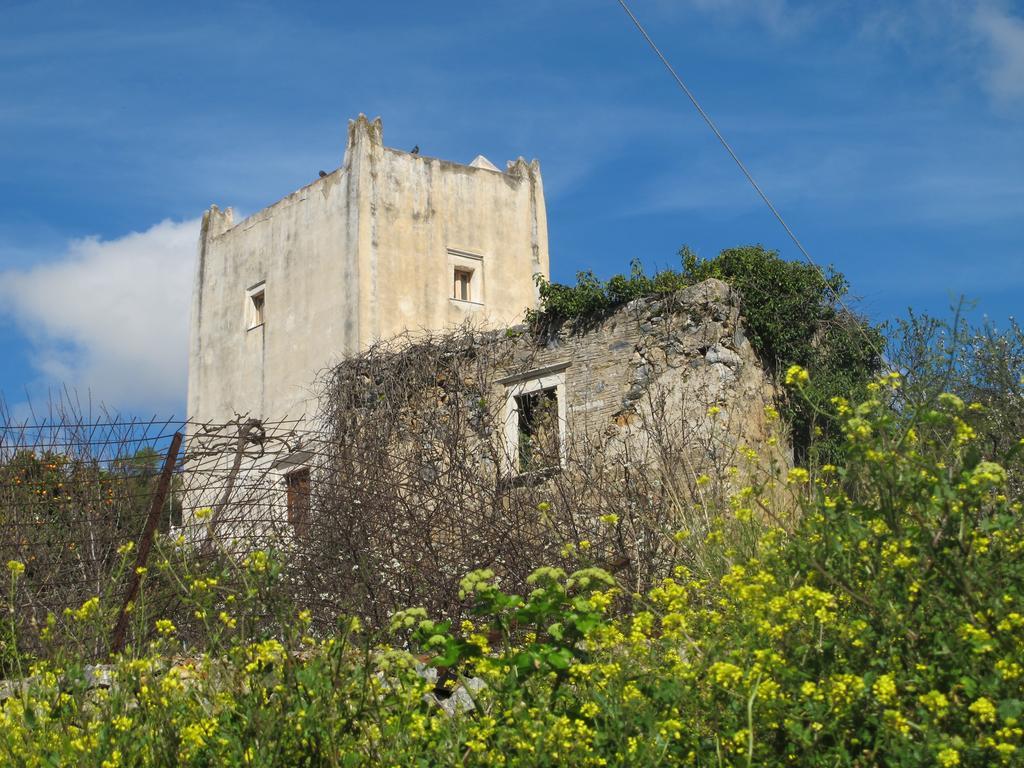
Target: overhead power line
pixel 736 158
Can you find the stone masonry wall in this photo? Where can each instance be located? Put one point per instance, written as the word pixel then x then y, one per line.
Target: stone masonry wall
pixel 682 358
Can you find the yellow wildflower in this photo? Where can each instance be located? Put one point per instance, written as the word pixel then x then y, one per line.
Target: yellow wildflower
pixel 797 375
pixel 884 689
pixel 984 710
pixel 165 627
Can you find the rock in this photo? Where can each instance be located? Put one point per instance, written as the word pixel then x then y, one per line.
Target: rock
pixel 99 676
pixel 635 393
pixel 710 332
pixel 724 355
pixel 710 291
pixel 657 357
pixel 461 699
pixel 726 375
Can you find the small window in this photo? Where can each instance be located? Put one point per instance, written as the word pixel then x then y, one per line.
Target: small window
pixel 462 288
pixel 539 439
pixel 535 422
pixel 297 487
pixel 257 305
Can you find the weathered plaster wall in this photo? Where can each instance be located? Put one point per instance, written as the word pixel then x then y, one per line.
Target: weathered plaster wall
pixel 424 207
pixel 356 256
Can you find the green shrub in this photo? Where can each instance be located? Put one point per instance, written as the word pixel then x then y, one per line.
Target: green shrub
pixel 590 297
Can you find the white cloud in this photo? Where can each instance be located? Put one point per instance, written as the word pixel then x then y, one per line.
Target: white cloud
pixel 1004 38
pixel 111 316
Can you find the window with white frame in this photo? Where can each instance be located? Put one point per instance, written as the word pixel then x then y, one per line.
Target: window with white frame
pixel 535 409
pixel 466 271
pixel 539 435
pixel 257 305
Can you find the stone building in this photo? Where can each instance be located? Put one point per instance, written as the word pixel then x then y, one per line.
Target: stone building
pixel 391 241
pixel 608 440
pixel 426 454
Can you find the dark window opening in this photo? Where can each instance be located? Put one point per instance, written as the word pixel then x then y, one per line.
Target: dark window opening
pixel 539 438
pixel 297 486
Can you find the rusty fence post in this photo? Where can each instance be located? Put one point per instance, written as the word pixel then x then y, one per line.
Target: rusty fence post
pixel 146 542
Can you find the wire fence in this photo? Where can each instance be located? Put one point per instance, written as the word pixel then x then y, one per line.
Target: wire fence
pixel 82 504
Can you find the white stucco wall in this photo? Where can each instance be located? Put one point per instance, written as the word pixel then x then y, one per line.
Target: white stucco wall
pixel 361 254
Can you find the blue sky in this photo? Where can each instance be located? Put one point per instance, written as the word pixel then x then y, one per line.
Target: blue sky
pixel 890 134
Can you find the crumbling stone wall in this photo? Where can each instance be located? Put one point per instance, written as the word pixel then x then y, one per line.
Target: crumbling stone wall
pixel 664 400
pixel 673 357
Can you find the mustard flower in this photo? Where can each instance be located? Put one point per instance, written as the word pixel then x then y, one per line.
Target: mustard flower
pixel 884 689
pixel 797 475
pixel 964 432
pixel 988 473
pixel 951 402
pixel 257 562
pixel 165 627
pixel 87 610
pixel 725 674
pixel 934 701
pixel 797 375
pixel 984 710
